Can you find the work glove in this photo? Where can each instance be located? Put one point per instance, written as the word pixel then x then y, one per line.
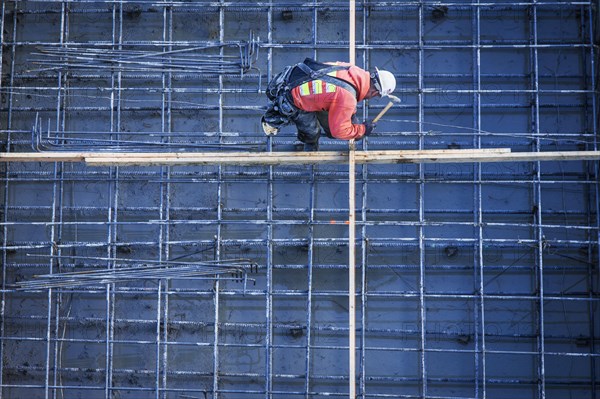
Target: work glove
pixel 369 127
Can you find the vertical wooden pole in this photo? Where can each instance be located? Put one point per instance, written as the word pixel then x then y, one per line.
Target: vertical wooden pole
pixel 352 271
pixel 352 33
pixel 352 229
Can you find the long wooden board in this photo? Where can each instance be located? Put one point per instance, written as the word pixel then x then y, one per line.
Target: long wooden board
pixel 298 158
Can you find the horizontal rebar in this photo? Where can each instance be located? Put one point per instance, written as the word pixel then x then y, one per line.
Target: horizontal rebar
pixel 140 270
pixel 185 60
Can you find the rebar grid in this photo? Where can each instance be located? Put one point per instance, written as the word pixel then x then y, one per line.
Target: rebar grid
pixel 476 281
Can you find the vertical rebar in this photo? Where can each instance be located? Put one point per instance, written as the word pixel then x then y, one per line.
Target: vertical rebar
pixel 537 187
pixel 158 338
pixel 54 249
pixel 480 350
pixel 218 238
pixel 593 284
pixel 48 343
pixel 61 112
pixel 270 238
pixel 363 230
pixel 311 242
pixel 2 15
pixel 113 196
pixel 4 213
pixel 310 263
pixel 421 199
pixel 57 233
pixel 594 193
pixel 165 195
pixel 11 84
pixel 270 62
pixel 363 283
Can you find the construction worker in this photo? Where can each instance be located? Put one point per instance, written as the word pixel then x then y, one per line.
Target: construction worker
pixel 320 97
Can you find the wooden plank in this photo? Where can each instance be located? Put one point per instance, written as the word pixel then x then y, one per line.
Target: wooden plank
pixel 480 157
pixel 352 268
pixel 225 159
pixel 42 156
pixel 352 33
pixel 277 158
pixel 361 157
pixel 300 158
pixel 352 227
pixel 215 157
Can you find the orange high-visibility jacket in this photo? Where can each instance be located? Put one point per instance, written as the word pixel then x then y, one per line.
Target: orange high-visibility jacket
pixel 317 95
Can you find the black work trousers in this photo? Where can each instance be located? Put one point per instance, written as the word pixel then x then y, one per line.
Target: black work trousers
pixel 310 125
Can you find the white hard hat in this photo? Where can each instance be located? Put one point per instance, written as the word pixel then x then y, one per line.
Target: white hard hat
pixel 387 82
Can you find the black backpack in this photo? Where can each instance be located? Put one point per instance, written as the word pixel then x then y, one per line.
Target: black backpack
pixel 296 75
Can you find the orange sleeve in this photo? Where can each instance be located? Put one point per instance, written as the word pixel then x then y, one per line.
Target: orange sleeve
pixel 340 117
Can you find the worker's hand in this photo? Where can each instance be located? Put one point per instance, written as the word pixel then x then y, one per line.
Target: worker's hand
pixel 369 127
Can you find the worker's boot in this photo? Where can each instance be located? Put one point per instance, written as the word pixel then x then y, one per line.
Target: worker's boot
pixel 314 146
pixel 310 139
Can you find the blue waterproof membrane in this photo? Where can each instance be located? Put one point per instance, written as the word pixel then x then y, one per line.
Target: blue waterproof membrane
pixel 474 280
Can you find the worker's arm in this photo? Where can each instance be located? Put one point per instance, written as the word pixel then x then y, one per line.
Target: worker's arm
pixel 340 117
